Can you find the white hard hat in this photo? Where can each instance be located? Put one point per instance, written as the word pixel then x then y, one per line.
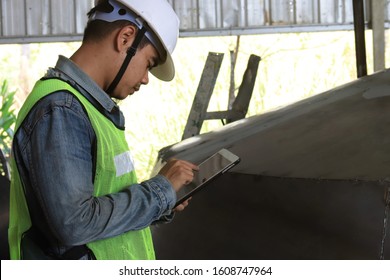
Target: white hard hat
pixel 162 22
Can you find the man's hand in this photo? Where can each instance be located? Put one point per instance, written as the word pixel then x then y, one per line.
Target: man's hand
pixel 179 172
pixel 181 207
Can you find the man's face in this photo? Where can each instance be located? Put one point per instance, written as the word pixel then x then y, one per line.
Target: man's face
pixel 137 72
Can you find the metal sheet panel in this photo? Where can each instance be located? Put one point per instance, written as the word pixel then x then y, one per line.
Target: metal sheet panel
pixel 13 18
pixel 37 18
pixel 255 13
pixel 319 137
pixel 81 8
pixel 312 182
pixel 282 12
pixel 62 17
pixel 42 20
pixel 247 217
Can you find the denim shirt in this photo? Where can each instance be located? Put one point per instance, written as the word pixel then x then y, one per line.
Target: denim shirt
pixel 54 150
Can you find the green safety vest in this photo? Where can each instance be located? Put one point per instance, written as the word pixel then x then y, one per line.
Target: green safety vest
pixel 111 148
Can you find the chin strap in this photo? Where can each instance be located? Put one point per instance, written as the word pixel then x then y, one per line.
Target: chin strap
pixel 130 53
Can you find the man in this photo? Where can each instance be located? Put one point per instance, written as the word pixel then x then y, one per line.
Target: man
pixel 74 194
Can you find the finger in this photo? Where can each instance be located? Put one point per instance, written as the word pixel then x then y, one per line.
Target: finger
pixel 184 163
pixel 178 172
pixel 182 206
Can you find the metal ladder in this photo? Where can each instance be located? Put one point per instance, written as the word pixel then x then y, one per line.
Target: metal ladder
pixel 199 113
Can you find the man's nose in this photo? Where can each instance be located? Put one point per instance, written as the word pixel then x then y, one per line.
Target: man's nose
pixel 145 79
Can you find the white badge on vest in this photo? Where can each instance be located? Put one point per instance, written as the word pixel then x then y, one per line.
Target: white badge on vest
pixel 124 163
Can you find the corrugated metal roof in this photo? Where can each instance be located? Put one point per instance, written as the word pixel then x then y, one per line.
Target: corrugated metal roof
pixel 206 14
pixel 221 17
pixel 42 20
pixel 64 20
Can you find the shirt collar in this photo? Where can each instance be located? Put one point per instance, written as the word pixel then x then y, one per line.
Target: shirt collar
pixel 68 67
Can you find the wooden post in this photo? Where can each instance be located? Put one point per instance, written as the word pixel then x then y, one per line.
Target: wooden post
pixel 378 33
pixel 241 103
pixel 203 95
pixel 360 41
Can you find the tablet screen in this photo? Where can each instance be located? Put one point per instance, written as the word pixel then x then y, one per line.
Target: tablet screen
pixel 208 169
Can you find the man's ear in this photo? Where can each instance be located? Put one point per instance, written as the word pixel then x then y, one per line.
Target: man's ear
pixel 125 37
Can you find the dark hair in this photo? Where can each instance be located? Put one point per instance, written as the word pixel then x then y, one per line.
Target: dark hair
pixel 97 30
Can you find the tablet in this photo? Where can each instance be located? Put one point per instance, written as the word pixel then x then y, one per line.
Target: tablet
pixel 211 168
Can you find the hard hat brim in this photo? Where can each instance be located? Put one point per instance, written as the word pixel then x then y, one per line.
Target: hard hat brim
pixel 165 71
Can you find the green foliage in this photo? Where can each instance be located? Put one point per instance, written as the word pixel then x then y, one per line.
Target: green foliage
pixel 7 120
